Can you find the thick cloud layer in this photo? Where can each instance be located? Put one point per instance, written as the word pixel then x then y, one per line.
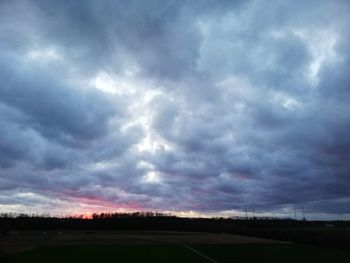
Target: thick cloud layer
pixel 205 106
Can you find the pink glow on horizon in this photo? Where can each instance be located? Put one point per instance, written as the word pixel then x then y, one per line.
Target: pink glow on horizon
pixel 96 204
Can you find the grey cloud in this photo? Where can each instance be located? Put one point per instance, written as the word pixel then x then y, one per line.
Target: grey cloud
pixel 238 119
pixel 54 107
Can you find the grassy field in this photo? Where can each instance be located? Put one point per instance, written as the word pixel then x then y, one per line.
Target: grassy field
pixel 176 253
pixel 157 246
pixel 122 253
pixel 273 253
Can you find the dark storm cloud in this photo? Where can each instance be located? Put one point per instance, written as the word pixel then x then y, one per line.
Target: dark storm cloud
pixel 112 33
pixel 193 105
pixel 51 104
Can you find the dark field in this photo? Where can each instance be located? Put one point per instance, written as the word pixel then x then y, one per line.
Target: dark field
pixel 331 233
pixel 176 253
pixel 154 238
pixel 138 253
pixel 15 242
pixel 155 246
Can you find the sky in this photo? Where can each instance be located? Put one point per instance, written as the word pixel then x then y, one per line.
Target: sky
pixel 198 108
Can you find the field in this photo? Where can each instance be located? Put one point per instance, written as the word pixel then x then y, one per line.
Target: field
pixel 146 246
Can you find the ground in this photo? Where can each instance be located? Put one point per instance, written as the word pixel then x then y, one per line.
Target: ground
pixel 147 246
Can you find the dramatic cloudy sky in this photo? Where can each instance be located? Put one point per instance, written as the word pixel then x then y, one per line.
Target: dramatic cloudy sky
pixel 196 107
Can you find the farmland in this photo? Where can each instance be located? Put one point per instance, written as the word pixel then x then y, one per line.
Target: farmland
pixel 159 238
pixel 156 246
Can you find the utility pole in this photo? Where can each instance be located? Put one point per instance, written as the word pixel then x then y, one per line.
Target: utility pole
pixel 304 214
pixel 246 213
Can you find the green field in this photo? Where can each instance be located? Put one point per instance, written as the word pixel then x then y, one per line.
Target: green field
pixel 171 253
pixel 282 253
pixel 122 253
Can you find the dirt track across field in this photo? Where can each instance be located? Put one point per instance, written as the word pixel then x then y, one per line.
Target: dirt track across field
pixel 20 241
